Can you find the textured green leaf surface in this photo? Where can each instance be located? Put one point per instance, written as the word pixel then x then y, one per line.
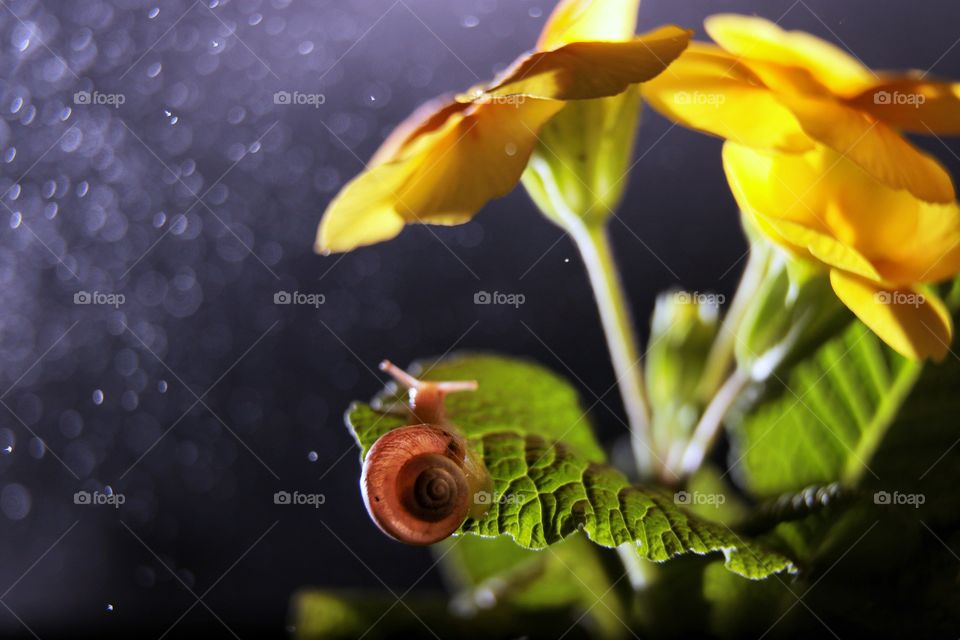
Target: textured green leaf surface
pixel 826 419
pixel 875 423
pixel 548 479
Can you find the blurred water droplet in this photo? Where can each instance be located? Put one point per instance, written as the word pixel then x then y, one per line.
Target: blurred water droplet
pixel 236 115
pixel 154 70
pixel 130 400
pixel 15 219
pixel 535 12
pixel 15 501
pixel 162 386
pixel 305 47
pixel 98 397
pixel 37 448
pixel 109 607
pixel 312 456
pixel 153 13
pixel 470 21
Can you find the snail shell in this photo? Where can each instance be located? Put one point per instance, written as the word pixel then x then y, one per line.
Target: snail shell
pixel 419 483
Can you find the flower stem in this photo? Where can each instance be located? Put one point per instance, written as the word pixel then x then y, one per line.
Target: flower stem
pixel 711 423
pixel 594 246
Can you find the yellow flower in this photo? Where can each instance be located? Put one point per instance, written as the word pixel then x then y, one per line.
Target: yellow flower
pixel 880 245
pixel 789 91
pixel 816 161
pixel 453 155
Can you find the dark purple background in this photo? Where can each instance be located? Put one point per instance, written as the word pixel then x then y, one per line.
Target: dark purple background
pixel 96 197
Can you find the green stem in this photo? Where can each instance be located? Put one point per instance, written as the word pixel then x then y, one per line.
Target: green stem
pixel 594 246
pixel 721 357
pixel 711 423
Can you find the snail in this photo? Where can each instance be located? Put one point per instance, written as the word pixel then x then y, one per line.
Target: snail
pixel 420 482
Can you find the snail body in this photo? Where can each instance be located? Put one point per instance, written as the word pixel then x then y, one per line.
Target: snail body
pixel 420 482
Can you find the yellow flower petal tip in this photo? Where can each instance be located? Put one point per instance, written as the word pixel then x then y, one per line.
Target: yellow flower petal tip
pixel 916 324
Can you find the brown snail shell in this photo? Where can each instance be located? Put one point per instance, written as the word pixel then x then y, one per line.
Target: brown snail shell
pixel 419 484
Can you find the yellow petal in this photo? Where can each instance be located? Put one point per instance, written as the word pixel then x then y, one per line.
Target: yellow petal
pixel 777 185
pixel 825 205
pixel 442 176
pixel 709 90
pixel 877 148
pixel 426 118
pixel 916 324
pixel 586 20
pixel 753 38
pixel 584 70
pixel 918 106
pixel 364 211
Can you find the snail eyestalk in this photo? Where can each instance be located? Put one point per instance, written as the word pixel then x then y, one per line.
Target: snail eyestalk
pixel 421 482
pixel 425 397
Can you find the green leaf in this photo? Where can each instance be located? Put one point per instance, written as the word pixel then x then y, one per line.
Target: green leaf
pixel 826 420
pixel 525 424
